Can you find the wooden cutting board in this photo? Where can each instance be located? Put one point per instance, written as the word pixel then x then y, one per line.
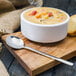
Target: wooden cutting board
pixel 35 63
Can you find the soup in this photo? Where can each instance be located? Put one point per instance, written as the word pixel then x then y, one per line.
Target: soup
pixel 45 15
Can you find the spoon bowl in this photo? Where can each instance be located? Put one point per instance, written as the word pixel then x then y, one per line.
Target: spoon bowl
pixel 15 42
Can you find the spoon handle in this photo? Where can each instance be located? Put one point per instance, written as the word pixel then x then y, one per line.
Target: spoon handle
pixel 50 56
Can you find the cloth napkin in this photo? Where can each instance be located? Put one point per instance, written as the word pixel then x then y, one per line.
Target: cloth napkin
pixel 10 11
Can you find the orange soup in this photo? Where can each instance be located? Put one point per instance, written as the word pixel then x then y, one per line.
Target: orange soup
pixel 45 15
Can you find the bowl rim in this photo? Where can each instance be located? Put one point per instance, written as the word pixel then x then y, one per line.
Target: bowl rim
pixel 45 25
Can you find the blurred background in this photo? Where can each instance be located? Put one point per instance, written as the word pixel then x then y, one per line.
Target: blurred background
pixel 66 5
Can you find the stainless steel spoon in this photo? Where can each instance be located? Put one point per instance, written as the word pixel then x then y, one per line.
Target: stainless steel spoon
pixel 17 43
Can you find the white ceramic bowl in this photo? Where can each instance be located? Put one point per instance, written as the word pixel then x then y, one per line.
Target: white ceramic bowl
pixel 44 33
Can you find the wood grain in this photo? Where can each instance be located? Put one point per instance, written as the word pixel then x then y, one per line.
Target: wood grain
pixel 35 63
